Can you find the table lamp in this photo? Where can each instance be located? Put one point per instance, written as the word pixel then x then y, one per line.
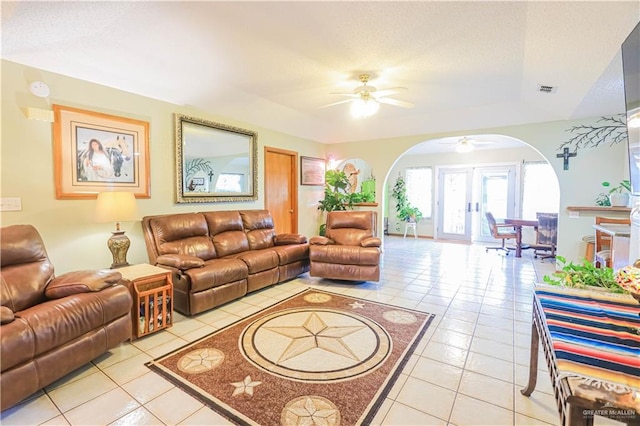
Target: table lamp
pixel 117 207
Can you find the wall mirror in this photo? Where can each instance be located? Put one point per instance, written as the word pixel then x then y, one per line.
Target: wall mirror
pixel 214 162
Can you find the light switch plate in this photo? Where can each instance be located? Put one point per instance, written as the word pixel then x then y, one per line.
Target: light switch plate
pixel 10 204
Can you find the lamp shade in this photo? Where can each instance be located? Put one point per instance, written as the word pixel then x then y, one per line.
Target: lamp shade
pixel 116 207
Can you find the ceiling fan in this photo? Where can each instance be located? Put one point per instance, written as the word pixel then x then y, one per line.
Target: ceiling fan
pixel 466 145
pixel 365 100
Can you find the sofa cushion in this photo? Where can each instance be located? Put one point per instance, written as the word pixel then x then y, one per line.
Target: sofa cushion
pixel 216 272
pixel 227 233
pixel 56 322
pixel 350 228
pixel 258 224
pixel 186 234
pixel 81 282
pixel 259 260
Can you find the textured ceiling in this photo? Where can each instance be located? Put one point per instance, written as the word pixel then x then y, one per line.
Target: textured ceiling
pixel 466 65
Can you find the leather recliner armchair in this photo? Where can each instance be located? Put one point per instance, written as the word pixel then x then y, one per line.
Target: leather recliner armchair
pixel 350 249
pixel 52 325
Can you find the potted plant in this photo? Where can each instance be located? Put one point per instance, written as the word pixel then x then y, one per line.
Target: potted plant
pixel 335 194
pixel 618 195
pixel 404 210
pixel 583 276
pixel 410 213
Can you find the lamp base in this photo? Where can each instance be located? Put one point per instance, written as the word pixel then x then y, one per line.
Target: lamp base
pixel 118 245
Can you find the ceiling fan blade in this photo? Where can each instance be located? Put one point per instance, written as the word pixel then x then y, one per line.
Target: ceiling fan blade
pixel 349 95
pixel 395 102
pixel 336 103
pixel 387 92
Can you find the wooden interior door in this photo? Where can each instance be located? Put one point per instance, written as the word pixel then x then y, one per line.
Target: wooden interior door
pixel 281 188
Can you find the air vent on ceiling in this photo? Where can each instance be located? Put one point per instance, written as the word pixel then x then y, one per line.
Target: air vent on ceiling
pixel 546 89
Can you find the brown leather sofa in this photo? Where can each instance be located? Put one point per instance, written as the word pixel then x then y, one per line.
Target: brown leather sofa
pixel 349 250
pixel 52 325
pixel 219 256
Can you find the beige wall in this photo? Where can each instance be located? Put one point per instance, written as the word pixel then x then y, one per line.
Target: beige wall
pixel 579 185
pixel 74 241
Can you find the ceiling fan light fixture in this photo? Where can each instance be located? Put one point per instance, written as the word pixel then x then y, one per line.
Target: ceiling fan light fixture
pixel 464 146
pixel 364 107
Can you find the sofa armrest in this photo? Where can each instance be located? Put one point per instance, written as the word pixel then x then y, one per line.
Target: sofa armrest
pixel 6 315
pixel 81 282
pixel 371 242
pixel 180 261
pixel 286 239
pixel 321 241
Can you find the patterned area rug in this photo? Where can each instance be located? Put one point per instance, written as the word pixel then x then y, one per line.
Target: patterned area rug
pixel 314 358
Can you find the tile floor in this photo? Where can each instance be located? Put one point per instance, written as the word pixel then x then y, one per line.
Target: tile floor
pixel 468 369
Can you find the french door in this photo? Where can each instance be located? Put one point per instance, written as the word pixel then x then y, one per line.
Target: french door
pixel 454 203
pixel 465 194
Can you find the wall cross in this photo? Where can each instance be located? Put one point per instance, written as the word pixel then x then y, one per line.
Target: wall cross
pixel 566 155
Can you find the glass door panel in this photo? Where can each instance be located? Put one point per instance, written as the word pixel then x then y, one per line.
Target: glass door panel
pixel 454 206
pixel 496 187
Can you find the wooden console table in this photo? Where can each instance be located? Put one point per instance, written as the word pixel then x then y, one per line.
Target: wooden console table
pixel 591 343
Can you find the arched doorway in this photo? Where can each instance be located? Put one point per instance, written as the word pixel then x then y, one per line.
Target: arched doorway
pixel 499 174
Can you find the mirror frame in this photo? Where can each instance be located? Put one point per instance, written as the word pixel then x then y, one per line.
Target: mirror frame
pixel 252 153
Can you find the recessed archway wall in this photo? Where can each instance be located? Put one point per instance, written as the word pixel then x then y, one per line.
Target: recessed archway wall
pixel 579 185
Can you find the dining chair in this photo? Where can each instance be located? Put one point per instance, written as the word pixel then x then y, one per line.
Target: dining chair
pixel 546 236
pixel 602 255
pixel 500 231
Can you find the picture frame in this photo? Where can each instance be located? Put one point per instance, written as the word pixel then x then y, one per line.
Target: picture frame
pixel 312 171
pixel 96 152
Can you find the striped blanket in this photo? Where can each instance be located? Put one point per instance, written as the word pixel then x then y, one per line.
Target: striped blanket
pixel 595 335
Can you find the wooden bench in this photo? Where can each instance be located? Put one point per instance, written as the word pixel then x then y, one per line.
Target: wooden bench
pixel 591 343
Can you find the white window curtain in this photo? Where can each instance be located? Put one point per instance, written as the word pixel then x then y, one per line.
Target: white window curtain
pixel 540 192
pixel 419 189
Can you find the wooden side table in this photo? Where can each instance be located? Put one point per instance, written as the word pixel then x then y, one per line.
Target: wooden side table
pixel 152 292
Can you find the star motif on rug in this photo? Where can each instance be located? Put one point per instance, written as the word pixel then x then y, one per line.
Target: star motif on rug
pixel 312 411
pixel 201 360
pixel 317 298
pixel 244 387
pixel 357 305
pixel 400 317
pixel 315 333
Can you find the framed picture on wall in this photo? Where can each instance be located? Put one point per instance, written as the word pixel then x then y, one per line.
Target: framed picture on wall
pixel 312 171
pixel 95 152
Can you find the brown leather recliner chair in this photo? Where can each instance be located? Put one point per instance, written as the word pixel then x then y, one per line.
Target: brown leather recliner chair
pixel 52 325
pixel 349 250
